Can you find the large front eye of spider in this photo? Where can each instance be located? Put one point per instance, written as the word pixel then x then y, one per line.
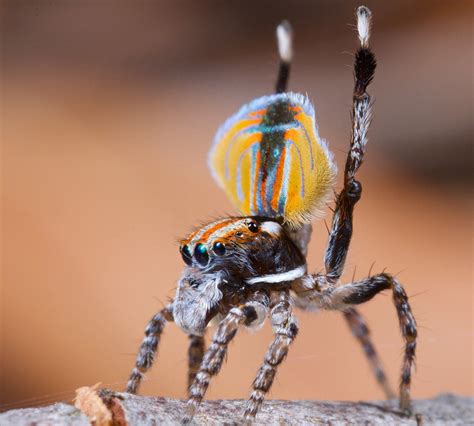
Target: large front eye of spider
pixel 201 254
pixel 253 226
pixel 218 248
pixel 186 255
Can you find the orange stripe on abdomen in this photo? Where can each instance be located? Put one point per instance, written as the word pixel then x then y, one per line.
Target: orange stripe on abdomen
pixel 258 112
pixel 255 180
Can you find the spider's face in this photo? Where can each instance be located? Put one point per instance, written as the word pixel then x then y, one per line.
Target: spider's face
pixel 242 248
pixel 227 258
pixel 217 242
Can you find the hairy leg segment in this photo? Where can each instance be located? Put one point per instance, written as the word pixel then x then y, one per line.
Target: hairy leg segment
pixel 361 332
pixel 342 223
pixel 285 329
pixel 217 351
pixel 343 298
pixel 149 347
pixel 341 230
pixel 195 356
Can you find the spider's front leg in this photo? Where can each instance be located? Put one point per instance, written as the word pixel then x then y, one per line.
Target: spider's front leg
pixel 148 349
pixel 195 356
pixel 285 328
pixel 216 353
pixel 345 297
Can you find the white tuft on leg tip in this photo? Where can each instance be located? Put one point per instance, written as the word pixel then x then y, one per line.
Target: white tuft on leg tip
pixel 285 41
pixel 364 16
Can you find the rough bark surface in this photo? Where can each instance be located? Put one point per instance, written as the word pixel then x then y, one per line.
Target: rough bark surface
pixel 56 414
pixel 446 409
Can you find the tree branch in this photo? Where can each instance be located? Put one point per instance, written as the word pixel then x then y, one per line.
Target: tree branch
pixel 104 407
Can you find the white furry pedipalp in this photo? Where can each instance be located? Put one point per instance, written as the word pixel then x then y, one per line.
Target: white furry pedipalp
pixel 210 294
pixel 192 304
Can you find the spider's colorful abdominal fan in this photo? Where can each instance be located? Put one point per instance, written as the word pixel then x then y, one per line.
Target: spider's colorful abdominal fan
pixel 270 159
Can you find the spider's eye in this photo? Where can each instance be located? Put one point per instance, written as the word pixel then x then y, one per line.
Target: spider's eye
pixel 219 249
pixel 253 227
pixel 201 255
pixel 186 255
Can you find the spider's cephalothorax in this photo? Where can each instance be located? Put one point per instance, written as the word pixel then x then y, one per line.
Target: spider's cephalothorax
pixel 229 260
pixel 279 173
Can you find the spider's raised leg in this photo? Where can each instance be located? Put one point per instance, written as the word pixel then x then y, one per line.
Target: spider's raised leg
pixel 285 50
pixel 344 297
pixel 341 232
pixel 148 349
pixel 361 332
pixel 216 353
pixel 285 328
pixel 284 32
pixel 195 356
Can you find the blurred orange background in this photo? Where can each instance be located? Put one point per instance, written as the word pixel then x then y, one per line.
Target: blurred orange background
pixel 108 111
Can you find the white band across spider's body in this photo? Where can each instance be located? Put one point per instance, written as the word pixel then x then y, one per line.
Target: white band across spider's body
pixel 280 277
